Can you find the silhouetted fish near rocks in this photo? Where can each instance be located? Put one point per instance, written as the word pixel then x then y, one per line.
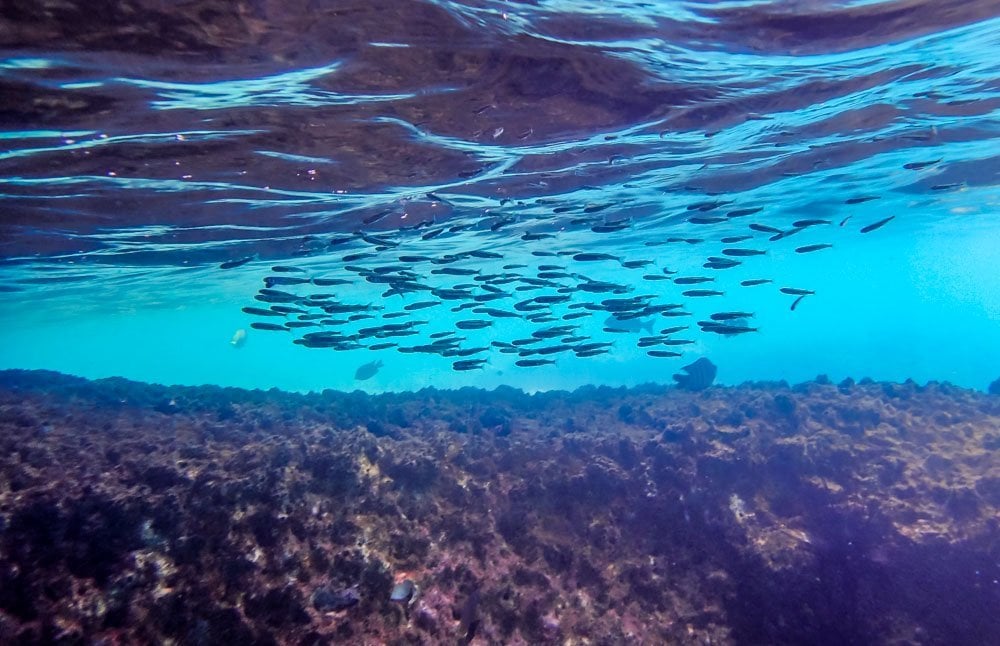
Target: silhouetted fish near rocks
pixel 923 164
pixel 756 281
pixel 367 370
pixel 700 375
pixel 468 364
pixel 809 248
pixel 232 264
pixel 877 225
pixel 530 363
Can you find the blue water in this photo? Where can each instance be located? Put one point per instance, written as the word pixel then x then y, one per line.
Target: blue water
pixel 138 156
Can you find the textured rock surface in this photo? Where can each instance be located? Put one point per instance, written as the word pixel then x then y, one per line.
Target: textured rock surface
pixel 132 513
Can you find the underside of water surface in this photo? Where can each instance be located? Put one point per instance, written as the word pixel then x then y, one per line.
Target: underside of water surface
pixel 581 322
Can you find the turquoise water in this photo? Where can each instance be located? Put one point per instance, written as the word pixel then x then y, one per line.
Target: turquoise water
pixel 141 174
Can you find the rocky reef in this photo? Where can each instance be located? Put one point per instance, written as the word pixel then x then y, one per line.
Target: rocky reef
pixel 765 513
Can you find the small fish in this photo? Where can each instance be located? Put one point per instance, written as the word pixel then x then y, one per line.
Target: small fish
pixel 530 363
pixel 729 316
pixel 736 239
pixel 877 225
pixel 795 291
pixel 696 293
pixel 260 311
pixel 739 213
pixel 663 353
pixel 797 301
pixel 635 264
pixel 698 219
pixel 367 370
pixel 923 164
pixel 860 199
pixel 592 257
pixel 809 248
pixel 693 280
pixel 284 269
pixel 468 364
pixel 382 346
pixel 763 228
pixel 473 324
pixel 232 264
pixel 330 282
pixel 802 224
pixel 239 338
pixel 655 277
pixel 481 253
pixel 844 221
pixel 739 253
pixel 756 281
pixel 268 326
pixel 786 234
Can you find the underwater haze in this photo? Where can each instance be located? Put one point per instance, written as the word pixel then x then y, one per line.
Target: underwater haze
pixel 690 158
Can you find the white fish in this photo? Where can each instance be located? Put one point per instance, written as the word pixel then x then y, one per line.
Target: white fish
pixel 239 338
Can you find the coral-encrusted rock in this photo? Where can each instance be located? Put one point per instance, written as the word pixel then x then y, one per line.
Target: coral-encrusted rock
pixel 644 515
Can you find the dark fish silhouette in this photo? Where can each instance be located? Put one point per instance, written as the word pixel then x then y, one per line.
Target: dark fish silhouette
pixel 268 326
pixel 367 370
pixel 763 228
pixel 801 224
pixel 473 324
pixel 756 281
pixel 923 164
pixel 531 363
pixel 743 252
pixel 260 311
pixel 232 264
pixel 812 247
pixel 283 269
pixel 693 280
pixel 860 199
pixel 739 213
pixel 697 293
pixel 795 291
pixel 877 225
pixel 663 353
pixel 468 364
pixel 700 375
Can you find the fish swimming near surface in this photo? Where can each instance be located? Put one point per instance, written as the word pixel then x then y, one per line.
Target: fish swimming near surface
pixel 877 225
pixel 700 375
pixel 367 370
